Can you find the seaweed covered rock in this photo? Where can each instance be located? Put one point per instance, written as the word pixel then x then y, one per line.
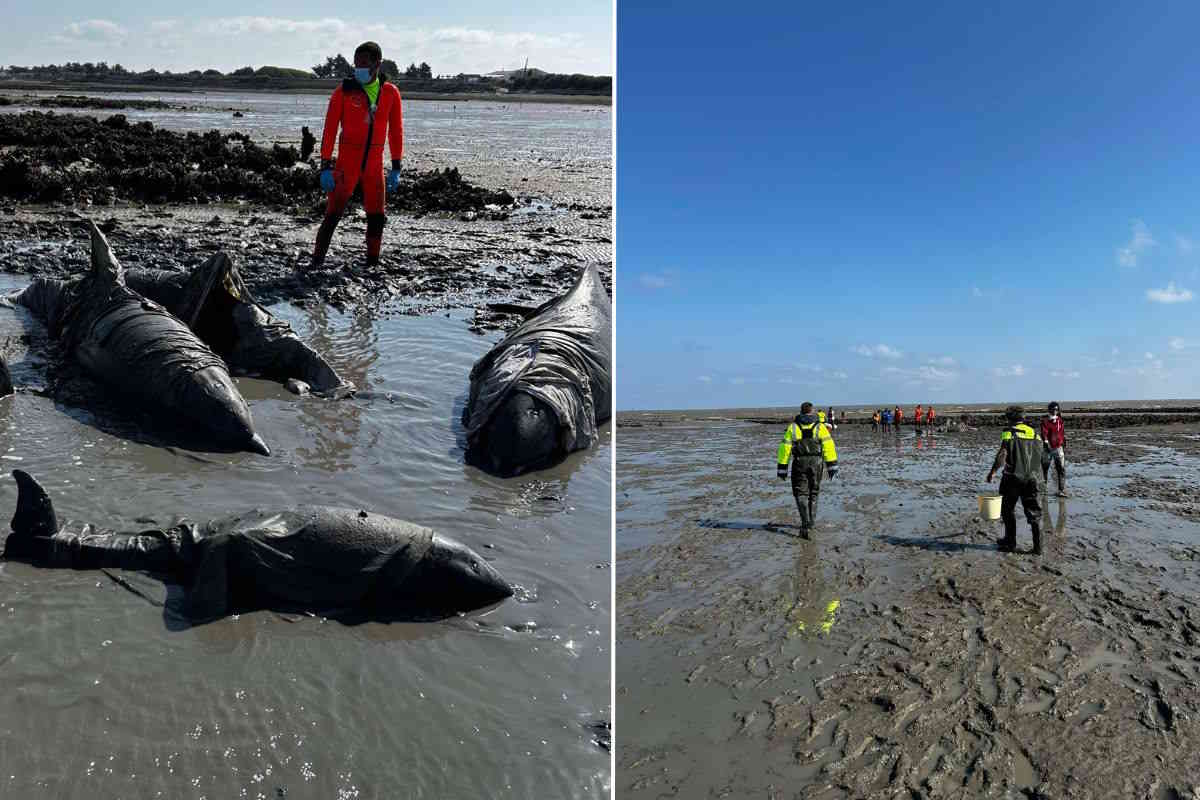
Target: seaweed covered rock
pixel 50 157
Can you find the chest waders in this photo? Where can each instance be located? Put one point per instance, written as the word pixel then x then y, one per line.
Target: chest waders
pixel 1022 464
pixel 807 467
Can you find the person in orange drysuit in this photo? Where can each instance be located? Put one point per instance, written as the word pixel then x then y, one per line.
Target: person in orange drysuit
pixel 919 415
pixel 367 108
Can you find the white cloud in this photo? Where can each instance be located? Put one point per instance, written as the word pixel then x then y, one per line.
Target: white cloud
pixel 94 30
pixel 1140 241
pixel 1154 367
pixel 1015 371
pixel 1169 294
pixel 879 350
pixel 1064 374
pixel 705 379
pixel 1177 343
pixel 1185 244
pixel 841 376
pixel 1116 352
pixel 229 42
pixel 1149 356
pixel 922 374
pixel 976 291
pixel 737 381
pixel 944 361
pixel 653 281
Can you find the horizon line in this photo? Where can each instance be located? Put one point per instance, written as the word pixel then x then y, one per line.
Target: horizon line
pixel 854 406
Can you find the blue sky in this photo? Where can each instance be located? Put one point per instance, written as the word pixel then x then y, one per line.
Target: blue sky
pixel 456 36
pixel 931 203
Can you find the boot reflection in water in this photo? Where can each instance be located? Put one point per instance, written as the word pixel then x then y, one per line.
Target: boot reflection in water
pixel 812 611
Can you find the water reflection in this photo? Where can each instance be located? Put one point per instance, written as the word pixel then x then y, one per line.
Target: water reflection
pixel 813 601
pixel 1060 525
pixel 466 683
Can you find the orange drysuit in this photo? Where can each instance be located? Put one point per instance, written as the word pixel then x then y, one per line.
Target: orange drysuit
pixel 360 156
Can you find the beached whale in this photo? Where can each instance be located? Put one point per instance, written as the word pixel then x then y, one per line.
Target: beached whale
pixel 6 387
pixel 216 304
pixel 350 564
pixel 544 391
pixel 141 351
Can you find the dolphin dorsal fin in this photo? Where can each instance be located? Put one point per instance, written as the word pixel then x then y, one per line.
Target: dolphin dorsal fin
pixel 104 263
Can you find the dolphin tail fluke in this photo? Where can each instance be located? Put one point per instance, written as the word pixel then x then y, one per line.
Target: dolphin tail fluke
pixel 35 513
pixel 103 261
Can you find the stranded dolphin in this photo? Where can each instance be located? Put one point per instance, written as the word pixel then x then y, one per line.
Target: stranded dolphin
pixel 138 349
pixel 360 566
pixel 216 304
pixel 544 391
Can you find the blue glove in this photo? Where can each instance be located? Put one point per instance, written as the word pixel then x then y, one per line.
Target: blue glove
pixel 393 178
pixel 327 181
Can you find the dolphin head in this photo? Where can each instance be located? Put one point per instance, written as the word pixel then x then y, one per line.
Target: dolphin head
pixel 522 434
pixel 450 579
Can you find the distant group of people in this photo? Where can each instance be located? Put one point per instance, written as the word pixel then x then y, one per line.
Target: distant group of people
pixel 808 449
pixel 886 418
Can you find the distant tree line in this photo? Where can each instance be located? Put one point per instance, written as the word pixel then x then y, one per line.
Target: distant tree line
pixel 338 67
pixel 419 77
pixel 551 83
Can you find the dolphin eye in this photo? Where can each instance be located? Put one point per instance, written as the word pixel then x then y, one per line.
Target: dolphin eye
pixel 474 566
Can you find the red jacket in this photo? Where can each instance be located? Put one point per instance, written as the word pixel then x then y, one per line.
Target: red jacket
pixel 350 107
pixel 1054 433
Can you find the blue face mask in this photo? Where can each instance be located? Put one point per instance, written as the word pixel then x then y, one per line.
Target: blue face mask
pixel 362 74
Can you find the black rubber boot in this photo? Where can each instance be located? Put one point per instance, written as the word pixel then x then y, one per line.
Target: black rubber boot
pixel 805 516
pixel 1008 543
pixel 1037 538
pixel 324 237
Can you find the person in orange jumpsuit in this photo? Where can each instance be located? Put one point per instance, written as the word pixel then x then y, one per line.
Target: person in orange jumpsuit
pixel 367 108
pixel 919 415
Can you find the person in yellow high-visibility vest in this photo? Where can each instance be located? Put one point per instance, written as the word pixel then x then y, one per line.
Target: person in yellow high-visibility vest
pixel 808 447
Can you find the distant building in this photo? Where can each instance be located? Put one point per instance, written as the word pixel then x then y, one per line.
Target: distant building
pixel 468 78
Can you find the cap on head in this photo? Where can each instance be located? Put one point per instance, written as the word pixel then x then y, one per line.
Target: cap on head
pixel 1014 413
pixel 1052 407
pixel 806 408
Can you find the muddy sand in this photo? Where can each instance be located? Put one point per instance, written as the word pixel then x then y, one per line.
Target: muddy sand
pixel 898 654
pixel 168 200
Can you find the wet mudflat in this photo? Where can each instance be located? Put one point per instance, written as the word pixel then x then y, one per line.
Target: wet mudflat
pixel 110 697
pixel 898 654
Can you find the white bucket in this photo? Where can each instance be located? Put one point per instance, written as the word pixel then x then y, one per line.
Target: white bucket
pixel 989 506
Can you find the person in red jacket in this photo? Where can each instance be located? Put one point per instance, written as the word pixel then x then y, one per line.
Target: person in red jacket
pixel 367 108
pixel 898 418
pixel 1054 442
